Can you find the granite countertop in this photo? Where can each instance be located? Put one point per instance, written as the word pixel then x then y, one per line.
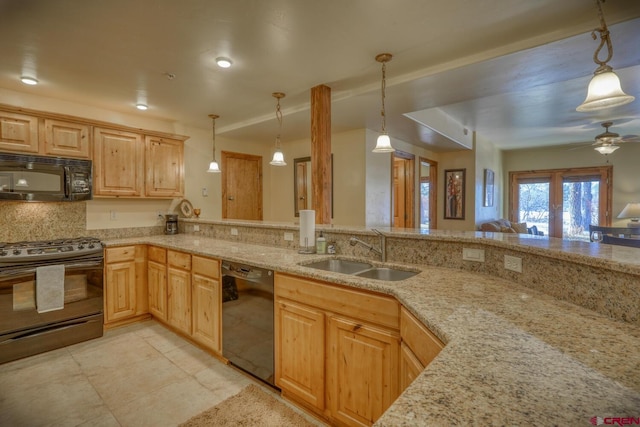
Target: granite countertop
pixel 513 356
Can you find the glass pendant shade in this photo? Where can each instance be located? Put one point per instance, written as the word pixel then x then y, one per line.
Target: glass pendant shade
pixel 22 182
pixel 383 144
pixel 278 158
pixel 214 167
pixel 606 149
pixel 604 92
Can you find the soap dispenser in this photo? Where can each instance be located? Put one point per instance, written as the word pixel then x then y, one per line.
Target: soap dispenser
pixel 321 244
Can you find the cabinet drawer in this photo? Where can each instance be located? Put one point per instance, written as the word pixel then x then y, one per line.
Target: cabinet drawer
pixel 157 254
pixel 424 344
pixel 179 260
pixel 208 267
pixel 119 254
pixel 359 304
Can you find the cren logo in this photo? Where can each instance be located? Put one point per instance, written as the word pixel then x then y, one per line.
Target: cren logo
pixel 615 421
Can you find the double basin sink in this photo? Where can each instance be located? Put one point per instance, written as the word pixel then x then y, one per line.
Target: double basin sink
pixel 361 269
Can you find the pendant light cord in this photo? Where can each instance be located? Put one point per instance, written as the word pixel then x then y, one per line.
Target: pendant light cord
pixel 279 118
pixel 214 138
pixel 384 86
pixel 604 38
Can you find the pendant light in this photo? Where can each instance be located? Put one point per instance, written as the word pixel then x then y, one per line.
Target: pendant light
pixel 604 88
pixel 213 166
pixel 278 157
pixel 383 144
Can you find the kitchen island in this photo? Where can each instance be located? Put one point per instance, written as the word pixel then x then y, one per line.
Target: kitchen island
pixel 514 355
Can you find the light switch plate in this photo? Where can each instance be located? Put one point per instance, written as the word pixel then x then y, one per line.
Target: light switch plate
pixel 234 231
pixel 476 255
pixel 288 236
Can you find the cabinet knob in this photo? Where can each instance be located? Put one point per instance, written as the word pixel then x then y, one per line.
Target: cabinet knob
pixel 230 198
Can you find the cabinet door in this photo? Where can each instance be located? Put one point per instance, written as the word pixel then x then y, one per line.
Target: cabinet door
pixel 165 167
pixel 120 293
pixel 157 279
pixel 18 132
pixel 410 366
pixel 179 299
pixel 118 163
pixel 362 370
pixel 206 311
pixel 66 139
pixel 299 351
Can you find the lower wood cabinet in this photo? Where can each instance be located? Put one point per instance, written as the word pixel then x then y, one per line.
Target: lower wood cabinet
pixel 125 283
pixel 179 291
pixel 419 347
pixel 206 302
pixel 157 278
pixel 353 333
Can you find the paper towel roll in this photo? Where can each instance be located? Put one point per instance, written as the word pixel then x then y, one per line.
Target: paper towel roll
pixel 307 228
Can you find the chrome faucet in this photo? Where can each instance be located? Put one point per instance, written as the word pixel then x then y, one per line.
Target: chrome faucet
pixel 383 245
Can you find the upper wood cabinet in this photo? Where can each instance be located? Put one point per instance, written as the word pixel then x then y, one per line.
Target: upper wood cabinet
pixel 65 139
pixel 118 163
pixel 18 132
pixel 164 167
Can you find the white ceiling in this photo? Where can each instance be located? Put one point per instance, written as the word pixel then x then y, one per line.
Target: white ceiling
pixel 511 70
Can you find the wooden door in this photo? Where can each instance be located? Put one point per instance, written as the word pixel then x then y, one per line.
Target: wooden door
pixel 206 302
pixel 301 189
pixel 120 295
pixel 362 370
pixel 403 189
pixel 157 279
pixel 179 299
pixel 300 351
pixel 118 166
pixel 410 366
pixel 164 166
pixel 66 139
pixel 241 186
pixel 18 132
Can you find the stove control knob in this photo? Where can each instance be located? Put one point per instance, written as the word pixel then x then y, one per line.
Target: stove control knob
pixel 4 253
pixel 16 251
pixel 91 245
pixel 81 246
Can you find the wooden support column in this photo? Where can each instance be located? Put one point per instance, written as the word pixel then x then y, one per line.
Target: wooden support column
pixel 321 152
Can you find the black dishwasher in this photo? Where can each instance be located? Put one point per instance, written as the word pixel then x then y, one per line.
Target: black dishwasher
pixel 247 319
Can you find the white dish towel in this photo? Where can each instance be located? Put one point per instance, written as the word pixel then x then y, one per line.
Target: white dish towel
pixel 50 288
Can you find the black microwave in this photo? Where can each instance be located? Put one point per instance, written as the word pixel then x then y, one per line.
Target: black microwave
pixel 44 179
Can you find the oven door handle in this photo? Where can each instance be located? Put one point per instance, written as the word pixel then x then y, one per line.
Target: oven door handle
pixel 21 271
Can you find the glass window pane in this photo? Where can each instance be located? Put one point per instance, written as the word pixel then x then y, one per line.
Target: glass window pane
pixel 424 205
pixel 580 202
pixel 533 205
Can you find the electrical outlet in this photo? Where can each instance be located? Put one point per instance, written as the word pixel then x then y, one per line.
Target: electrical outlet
pixel 113 215
pixel 234 231
pixel 288 236
pixel 205 192
pixel 196 227
pixel 513 263
pixel 476 255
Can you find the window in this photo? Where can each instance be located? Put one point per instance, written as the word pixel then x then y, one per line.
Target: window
pixel 561 202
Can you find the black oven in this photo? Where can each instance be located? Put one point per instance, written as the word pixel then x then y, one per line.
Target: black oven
pixel 25 329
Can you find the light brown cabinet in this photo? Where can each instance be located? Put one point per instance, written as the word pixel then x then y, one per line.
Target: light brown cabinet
pixel 18 132
pixel 354 333
pixel 419 347
pixel 65 139
pixel 125 283
pixel 179 291
pixel 164 167
pixel 157 279
pixel 118 163
pixel 206 302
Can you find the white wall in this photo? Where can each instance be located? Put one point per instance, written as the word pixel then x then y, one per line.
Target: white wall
pixel 625 162
pixel 487 157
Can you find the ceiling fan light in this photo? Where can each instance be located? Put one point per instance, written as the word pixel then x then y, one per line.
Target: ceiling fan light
pixel 31 81
pixel 383 144
pixel 214 167
pixel 604 92
pixel 223 62
pixel 606 149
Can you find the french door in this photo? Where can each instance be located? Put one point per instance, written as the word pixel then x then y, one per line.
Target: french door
pixel 562 202
pixel 428 193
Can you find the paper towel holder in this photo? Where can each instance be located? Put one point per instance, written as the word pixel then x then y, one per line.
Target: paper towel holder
pixel 307 249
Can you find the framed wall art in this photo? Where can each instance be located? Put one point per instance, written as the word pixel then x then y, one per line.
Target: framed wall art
pixel 454 182
pixel 488 187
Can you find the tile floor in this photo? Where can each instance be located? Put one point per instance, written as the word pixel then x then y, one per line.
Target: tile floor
pixel 137 375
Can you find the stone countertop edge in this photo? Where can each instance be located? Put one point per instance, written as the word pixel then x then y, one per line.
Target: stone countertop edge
pixel 513 356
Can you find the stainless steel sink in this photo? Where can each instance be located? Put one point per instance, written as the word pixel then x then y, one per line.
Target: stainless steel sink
pixel 340 266
pixel 389 274
pixel 361 269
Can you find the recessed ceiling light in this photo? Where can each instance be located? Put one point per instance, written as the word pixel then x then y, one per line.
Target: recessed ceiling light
pixel 142 107
pixel 223 62
pixel 29 80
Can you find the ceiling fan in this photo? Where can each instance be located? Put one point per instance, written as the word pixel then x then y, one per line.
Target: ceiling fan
pixel 607 142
